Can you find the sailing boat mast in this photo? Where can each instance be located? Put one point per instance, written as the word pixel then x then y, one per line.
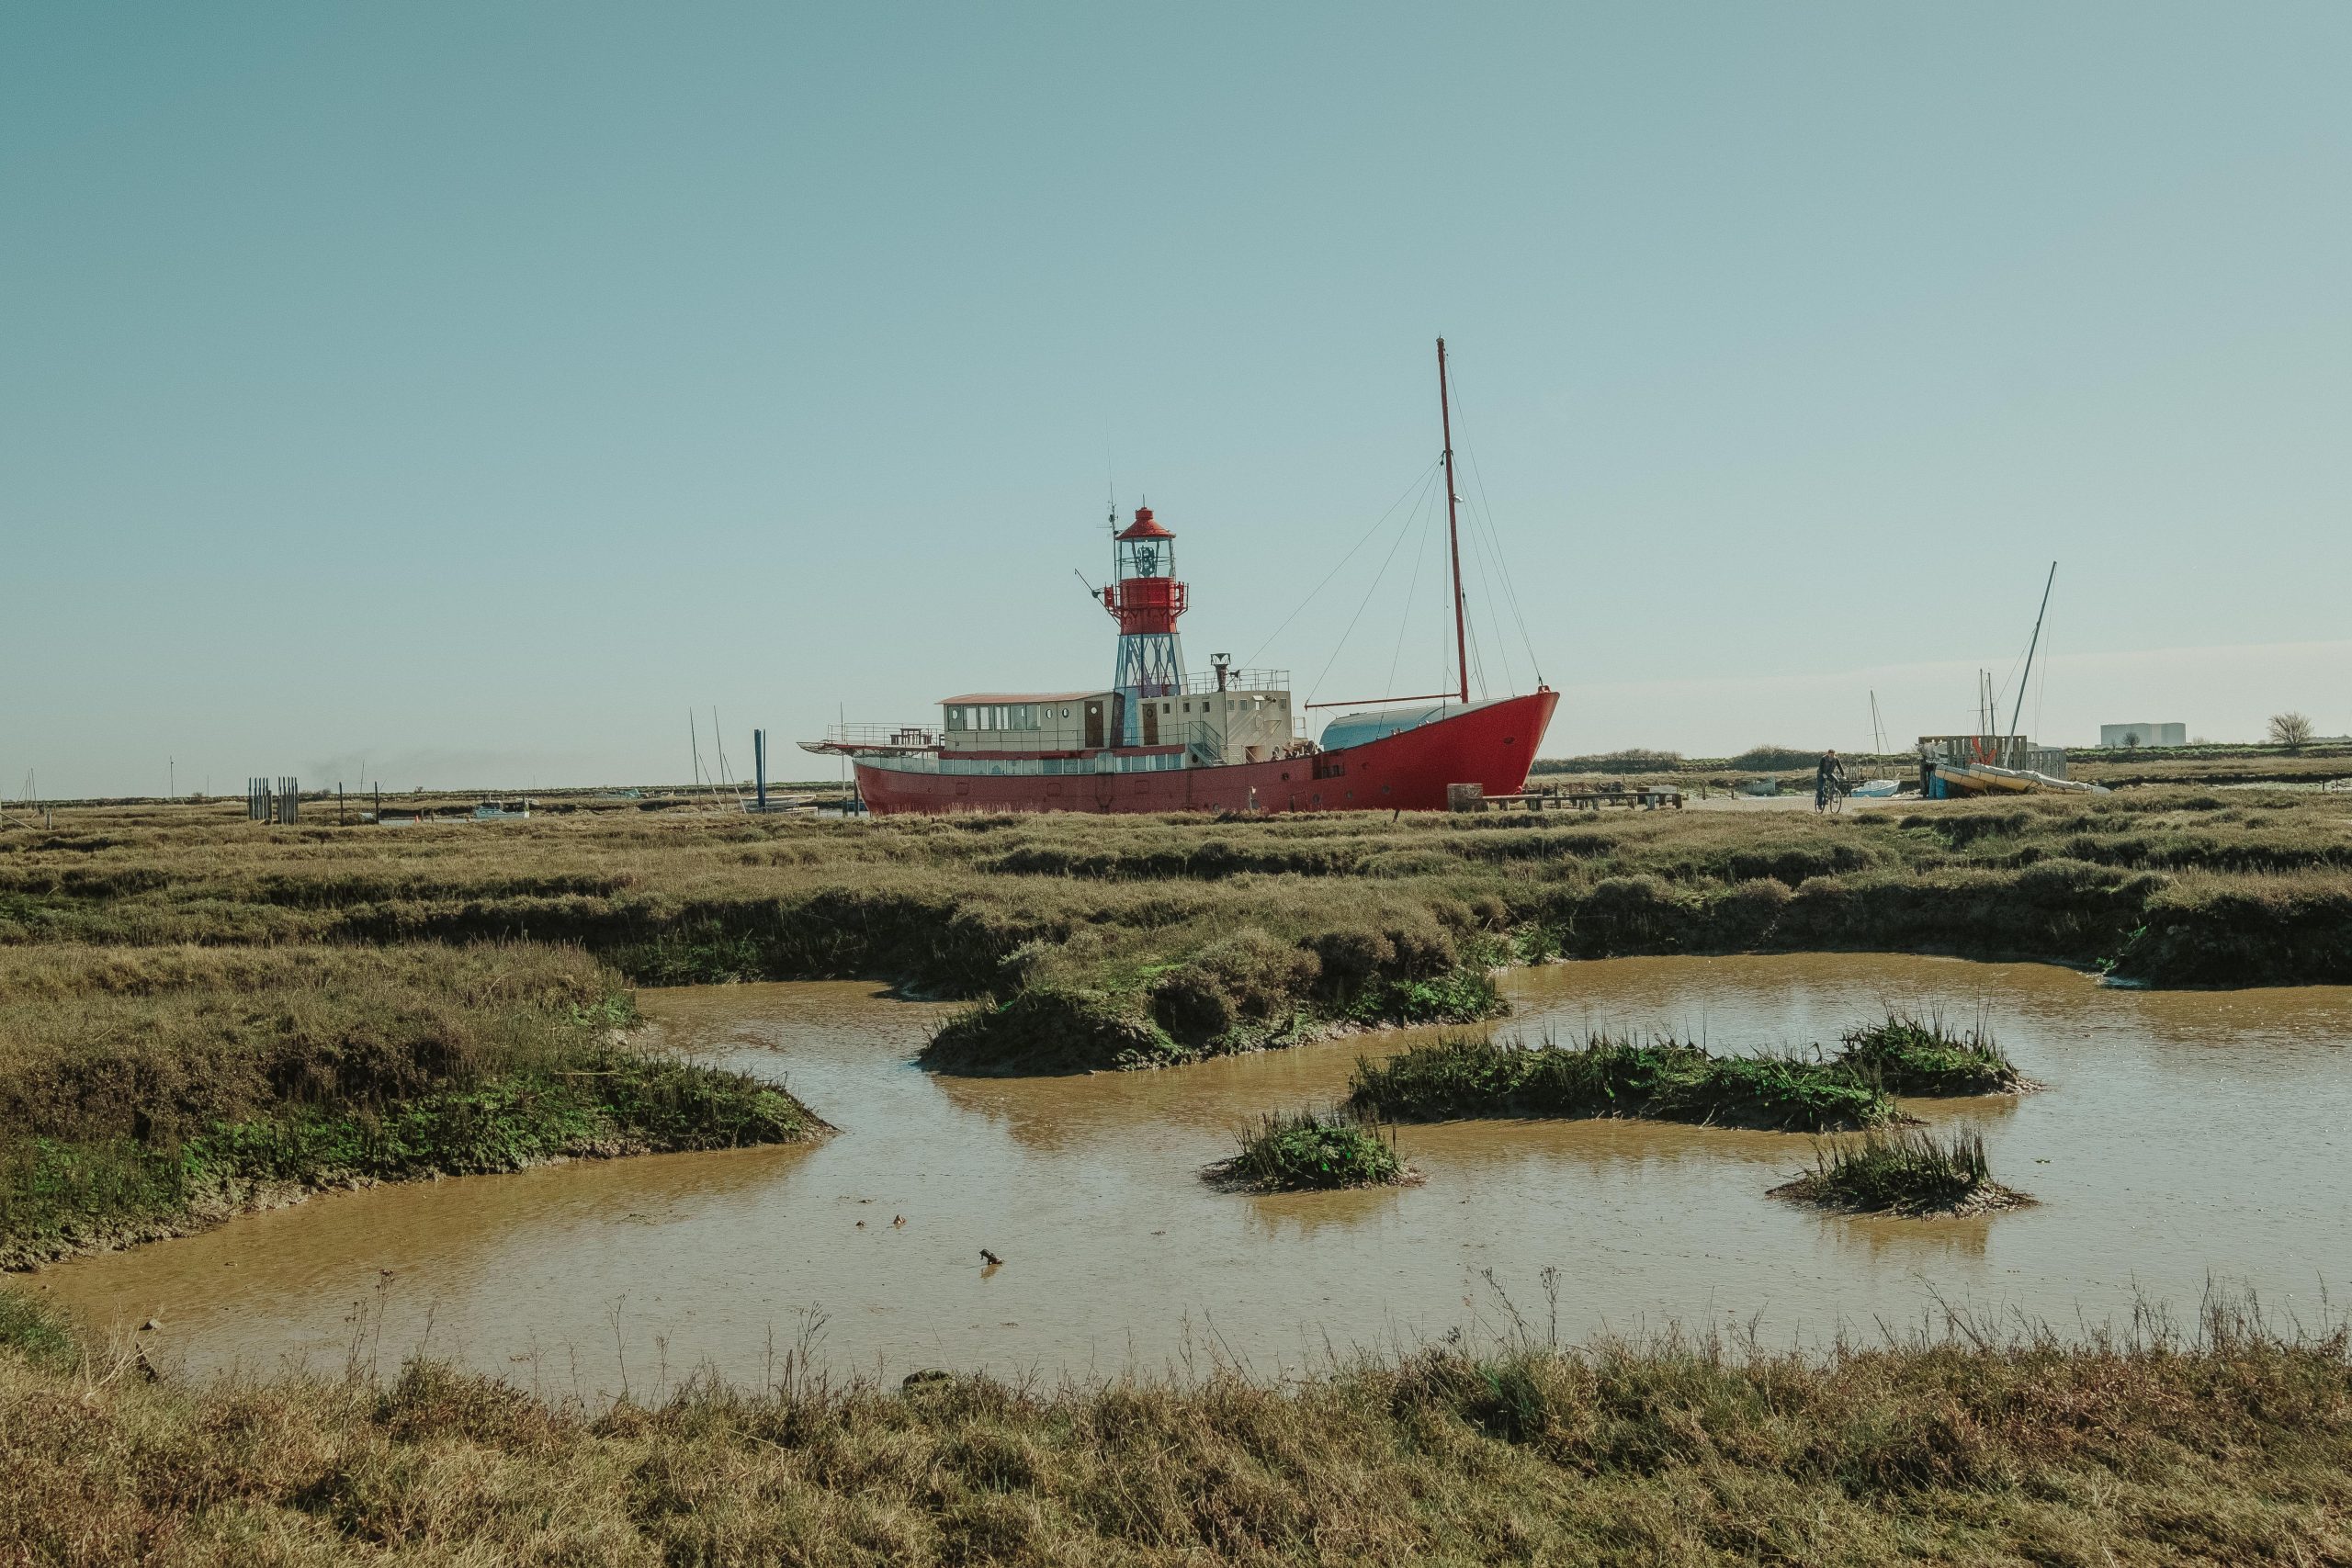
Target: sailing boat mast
pixel 1453 527
pixel 2019 707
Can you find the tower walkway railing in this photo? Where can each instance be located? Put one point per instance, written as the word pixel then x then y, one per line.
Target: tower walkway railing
pixel 1238 681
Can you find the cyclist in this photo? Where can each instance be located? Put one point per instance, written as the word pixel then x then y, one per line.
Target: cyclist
pixel 1829 782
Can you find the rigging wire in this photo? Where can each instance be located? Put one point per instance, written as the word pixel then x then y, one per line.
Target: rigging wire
pixel 1502 562
pixel 1420 481
pixel 1478 555
pixel 1405 622
pixel 1502 567
pixel 1341 646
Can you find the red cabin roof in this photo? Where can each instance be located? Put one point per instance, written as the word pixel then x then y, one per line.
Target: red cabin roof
pixel 1145 527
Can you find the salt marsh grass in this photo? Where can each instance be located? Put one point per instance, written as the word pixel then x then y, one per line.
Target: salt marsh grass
pixel 1905 1054
pixel 1308 1150
pixel 1662 1080
pixel 2228 1443
pixel 1905 1170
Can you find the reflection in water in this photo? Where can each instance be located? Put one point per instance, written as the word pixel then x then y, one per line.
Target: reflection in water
pixel 2185 1134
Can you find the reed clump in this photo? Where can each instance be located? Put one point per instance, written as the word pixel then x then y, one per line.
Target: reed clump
pixel 1659 1079
pixel 1909 1055
pixel 2230 1445
pixel 1292 1151
pixel 1906 1170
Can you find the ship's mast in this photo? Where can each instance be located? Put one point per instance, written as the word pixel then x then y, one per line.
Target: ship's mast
pixel 1453 527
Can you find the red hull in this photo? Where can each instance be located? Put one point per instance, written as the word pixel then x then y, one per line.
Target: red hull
pixel 1491 746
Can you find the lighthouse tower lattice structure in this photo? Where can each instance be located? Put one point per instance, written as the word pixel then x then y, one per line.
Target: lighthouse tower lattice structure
pixel 1145 598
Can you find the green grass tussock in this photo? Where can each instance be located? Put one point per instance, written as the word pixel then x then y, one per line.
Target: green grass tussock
pixel 145 1090
pixel 1311 1151
pixel 2235 1447
pixel 1907 1055
pixel 1662 1080
pixel 1908 1171
pixel 60 1198
pixel 1244 990
pixel 1042 1029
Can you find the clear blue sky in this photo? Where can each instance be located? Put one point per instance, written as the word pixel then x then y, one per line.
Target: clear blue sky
pixel 469 388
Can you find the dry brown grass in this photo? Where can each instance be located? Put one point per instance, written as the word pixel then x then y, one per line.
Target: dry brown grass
pixel 2243 765
pixel 968 905
pixel 2236 1450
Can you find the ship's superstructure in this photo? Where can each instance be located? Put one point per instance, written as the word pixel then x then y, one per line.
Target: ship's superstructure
pixel 1157 739
pixel 1226 715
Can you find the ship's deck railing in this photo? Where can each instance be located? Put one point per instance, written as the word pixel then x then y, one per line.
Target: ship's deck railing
pixel 881 735
pixel 1238 681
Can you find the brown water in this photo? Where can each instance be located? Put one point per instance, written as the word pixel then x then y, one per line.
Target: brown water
pixel 2185 1137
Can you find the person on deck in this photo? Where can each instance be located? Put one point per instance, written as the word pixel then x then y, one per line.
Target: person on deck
pixel 1828 781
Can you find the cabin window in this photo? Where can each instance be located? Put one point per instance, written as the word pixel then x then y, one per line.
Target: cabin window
pixel 955 718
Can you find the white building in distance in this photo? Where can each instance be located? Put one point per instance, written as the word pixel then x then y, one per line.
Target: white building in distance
pixel 2115 735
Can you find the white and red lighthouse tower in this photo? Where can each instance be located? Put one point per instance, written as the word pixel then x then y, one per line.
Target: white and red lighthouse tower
pixel 1144 600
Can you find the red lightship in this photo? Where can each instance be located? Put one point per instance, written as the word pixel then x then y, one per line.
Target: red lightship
pixel 1159 740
